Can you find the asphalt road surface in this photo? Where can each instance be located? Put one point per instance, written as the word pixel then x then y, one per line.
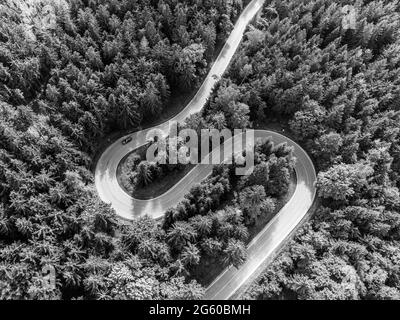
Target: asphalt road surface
pixel 106 168
pixel 269 239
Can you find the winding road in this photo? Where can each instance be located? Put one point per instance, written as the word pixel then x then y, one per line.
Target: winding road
pixel 268 240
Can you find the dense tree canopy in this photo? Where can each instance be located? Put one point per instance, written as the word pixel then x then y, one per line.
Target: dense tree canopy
pixel 109 64
pixel 338 90
pixel 211 227
pixel 101 65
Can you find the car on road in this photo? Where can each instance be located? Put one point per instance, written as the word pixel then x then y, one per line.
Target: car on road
pixel 127 140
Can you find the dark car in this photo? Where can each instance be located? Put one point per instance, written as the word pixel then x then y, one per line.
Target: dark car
pixel 126 140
